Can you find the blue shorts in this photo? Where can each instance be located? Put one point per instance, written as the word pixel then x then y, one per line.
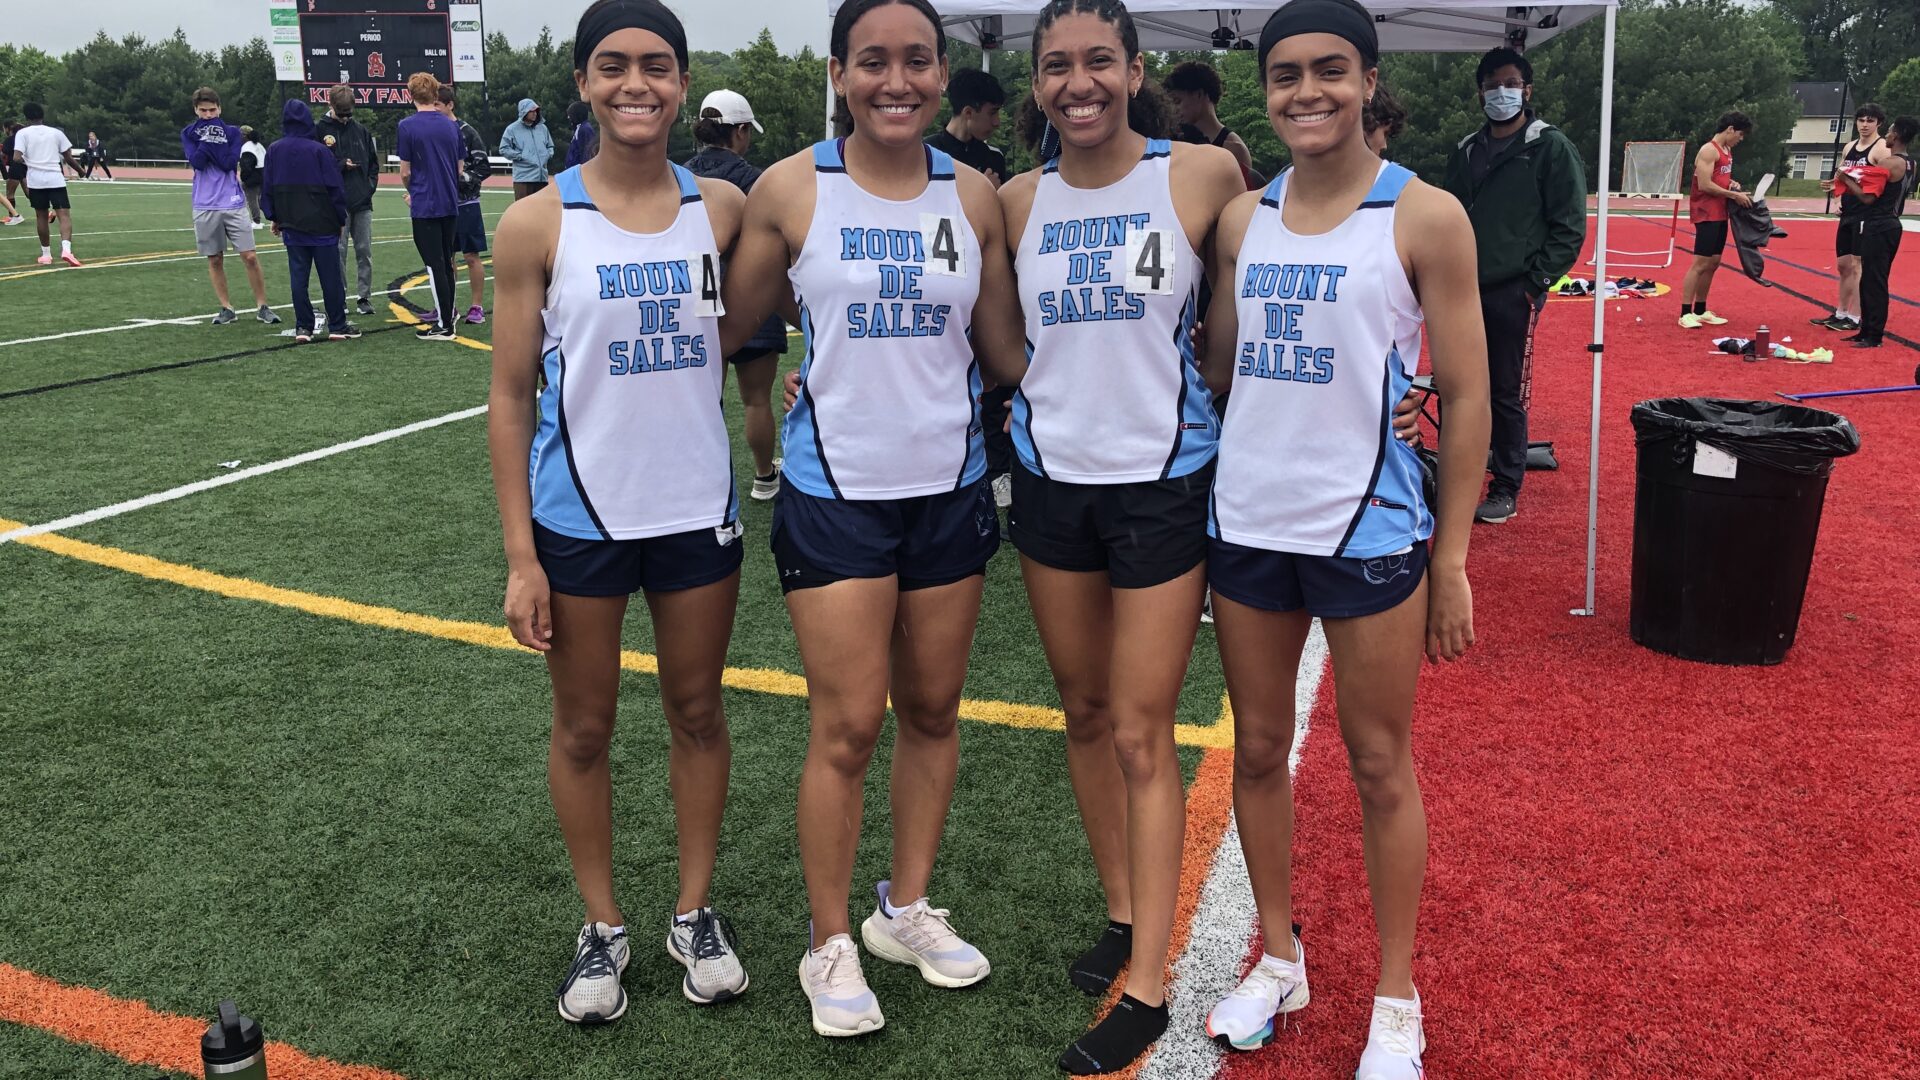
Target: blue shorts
pixel 469 230
pixel 927 541
pixel 1327 586
pixel 687 560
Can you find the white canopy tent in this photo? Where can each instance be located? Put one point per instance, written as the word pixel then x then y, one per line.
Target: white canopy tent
pixel 1426 26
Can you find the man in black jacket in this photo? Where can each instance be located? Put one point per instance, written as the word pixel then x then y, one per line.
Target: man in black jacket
pixel 352 146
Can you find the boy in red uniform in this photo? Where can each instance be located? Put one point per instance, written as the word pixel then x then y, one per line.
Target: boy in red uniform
pixel 1712 189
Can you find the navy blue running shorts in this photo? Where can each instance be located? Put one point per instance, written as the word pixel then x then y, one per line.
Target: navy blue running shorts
pixel 1327 586
pixel 927 541
pixel 469 230
pixel 687 560
pixel 1142 534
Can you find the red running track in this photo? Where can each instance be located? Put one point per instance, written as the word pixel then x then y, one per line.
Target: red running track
pixel 1644 867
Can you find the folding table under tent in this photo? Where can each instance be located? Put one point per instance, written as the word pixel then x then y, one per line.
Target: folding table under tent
pixel 1430 26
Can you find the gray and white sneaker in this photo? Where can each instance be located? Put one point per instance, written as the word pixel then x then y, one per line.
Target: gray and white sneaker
pixel 364 307
pixel 226 316
pixel 592 993
pixel 921 937
pixel 837 990
pixel 266 315
pixel 768 488
pixel 704 946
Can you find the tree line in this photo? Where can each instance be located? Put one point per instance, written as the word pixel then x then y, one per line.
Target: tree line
pixel 1680 65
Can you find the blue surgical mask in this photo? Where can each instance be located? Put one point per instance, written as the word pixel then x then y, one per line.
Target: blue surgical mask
pixel 1503 103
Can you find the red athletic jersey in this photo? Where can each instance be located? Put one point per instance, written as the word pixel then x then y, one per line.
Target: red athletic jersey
pixel 1702 206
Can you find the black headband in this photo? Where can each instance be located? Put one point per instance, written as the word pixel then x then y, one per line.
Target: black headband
pixel 1341 18
pixel 609 17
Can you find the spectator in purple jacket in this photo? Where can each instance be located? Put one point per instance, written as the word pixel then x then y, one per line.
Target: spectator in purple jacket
pixel 301 193
pixel 212 147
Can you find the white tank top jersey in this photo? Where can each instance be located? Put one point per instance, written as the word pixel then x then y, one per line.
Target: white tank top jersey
pixel 889 391
pixel 1329 339
pixel 1110 287
pixel 631 441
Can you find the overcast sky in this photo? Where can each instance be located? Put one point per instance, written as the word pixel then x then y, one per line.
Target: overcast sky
pixel 722 25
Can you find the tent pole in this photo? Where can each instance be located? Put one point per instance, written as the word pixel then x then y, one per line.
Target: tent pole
pixel 1598 347
pixel 830 104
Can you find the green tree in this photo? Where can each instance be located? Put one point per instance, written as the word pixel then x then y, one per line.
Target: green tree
pixel 26 74
pixel 1900 93
pixel 1861 41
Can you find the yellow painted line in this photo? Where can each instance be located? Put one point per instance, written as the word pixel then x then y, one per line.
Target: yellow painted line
pixel 757 680
pixel 405 315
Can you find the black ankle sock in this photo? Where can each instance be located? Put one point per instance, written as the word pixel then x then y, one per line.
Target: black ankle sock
pixel 1699 307
pixel 769 476
pixel 1118 1040
pixel 1686 309
pixel 1094 970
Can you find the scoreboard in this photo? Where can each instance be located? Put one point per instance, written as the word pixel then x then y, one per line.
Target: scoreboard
pixel 375 45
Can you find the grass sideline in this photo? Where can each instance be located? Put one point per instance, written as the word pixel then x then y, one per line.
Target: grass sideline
pixel 346 828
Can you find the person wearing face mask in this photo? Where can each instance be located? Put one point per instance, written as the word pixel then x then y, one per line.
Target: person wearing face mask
pixel 353 147
pixel 1525 190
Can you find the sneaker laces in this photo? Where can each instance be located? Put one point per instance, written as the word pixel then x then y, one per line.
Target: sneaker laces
pixel 929 922
pixel 712 935
pixel 1396 1028
pixel 1265 982
pixel 842 968
pixel 594 960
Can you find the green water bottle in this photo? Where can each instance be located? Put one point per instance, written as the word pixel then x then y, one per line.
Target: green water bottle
pixel 233 1048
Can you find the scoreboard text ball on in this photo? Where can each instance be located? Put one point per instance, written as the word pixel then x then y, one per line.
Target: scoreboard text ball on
pixel 374 46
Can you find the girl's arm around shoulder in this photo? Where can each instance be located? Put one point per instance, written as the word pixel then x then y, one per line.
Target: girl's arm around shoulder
pixel 1205 180
pixel 999 329
pixel 725 208
pixel 1223 316
pixel 773 225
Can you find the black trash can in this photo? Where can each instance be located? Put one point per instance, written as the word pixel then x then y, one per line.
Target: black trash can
pixel 1726 507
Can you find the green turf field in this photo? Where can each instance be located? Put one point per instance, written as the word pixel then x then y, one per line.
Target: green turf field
pixel 346 827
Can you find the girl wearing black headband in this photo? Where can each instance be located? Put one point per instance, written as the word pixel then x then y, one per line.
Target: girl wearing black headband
pixel 608 283
pixel 1343 262
pixel 1116 435
pixel 884 523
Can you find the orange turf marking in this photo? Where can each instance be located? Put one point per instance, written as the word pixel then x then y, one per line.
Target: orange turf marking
pixel 1209 805
pixel 134 1032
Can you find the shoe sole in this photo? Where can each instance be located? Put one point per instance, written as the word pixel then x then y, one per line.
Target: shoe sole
pixel 1263 1036
pixel 886 948
pixel 1496 520
pixel 828 1030
pixel 759 496
pixel 597 1020
pixel 686 984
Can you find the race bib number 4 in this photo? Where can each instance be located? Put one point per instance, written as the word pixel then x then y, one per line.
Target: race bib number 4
pixel 1150 261
pixel 942 239
pixel 706 269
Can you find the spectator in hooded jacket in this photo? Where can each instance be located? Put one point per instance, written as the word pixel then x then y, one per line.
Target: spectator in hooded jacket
pixel 220 205
pixel 529 145
pixel 304 198
pixel 353 147
pixel 586 141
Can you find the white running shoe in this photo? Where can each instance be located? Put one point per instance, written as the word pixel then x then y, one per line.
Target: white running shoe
pixel 705 947
pixel 921 936
pixel 837 990
pixel 1395 1041
pixel 1244 1019
pixel 767 489
pixel 592 993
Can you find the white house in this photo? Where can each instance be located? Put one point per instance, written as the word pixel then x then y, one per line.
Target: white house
pixel 1826 120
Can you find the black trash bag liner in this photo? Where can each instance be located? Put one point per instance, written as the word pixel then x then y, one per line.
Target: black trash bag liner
pixel 1790 437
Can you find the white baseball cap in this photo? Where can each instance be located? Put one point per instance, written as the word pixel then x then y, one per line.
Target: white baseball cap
pixel 732 107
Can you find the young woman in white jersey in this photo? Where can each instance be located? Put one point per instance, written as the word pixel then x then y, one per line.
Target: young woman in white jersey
pixel 896 261
pixel 1324 282
pixel 1115 433
pixel 608 283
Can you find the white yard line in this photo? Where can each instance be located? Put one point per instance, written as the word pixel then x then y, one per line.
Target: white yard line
pixel 1225 921
pixel 181 492
pixel 197 320
pixel 29 234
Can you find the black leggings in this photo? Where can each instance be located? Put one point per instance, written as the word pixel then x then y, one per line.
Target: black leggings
pixel 433 238
pixel 1876 245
